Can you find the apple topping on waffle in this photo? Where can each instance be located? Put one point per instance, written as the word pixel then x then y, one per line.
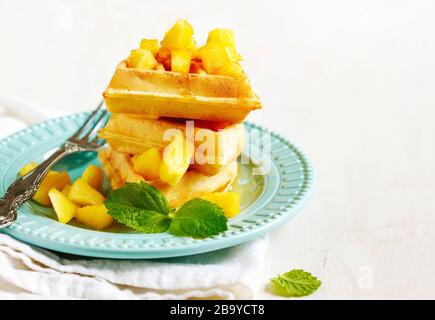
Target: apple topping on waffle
pixel 178 53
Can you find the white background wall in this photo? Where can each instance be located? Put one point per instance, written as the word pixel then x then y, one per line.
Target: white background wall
pixel 351 82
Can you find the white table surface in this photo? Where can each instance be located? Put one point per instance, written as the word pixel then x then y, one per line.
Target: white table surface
pixel 351 82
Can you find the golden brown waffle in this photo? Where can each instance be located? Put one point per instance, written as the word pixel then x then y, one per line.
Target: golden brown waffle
pixel 135 134
pixel 158 93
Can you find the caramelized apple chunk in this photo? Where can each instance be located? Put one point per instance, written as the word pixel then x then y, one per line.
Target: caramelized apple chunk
pixel 151 45
pixel 214 56
pixel 178 53
pixel 94 216
pixel 148 164
pixel 94 176
pixel 232 69
pixel 65 190
pixel 228 201
pixel 180 60
pixel 227 39
pixel 55 180
pixel 176 160
pixel 65 209
pixel 180 36
pixel 82 194
pixel 141 59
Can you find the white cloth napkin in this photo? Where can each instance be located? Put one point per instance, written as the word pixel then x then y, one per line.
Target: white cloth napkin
pixel 28 272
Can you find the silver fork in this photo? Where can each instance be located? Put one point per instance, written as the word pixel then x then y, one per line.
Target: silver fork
pixel 85 139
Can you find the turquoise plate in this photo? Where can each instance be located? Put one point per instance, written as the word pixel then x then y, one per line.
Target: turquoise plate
pixel 274 184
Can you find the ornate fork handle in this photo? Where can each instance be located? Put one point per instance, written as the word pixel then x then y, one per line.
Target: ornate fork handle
pixel 25 187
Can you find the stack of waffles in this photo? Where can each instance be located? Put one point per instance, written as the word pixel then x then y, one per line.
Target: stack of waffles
pixel 157 104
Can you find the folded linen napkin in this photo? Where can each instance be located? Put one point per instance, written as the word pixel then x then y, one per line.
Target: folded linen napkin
pixel 28 272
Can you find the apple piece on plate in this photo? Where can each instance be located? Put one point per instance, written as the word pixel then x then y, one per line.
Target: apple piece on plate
pixel 65 209
pixel 56 180
pixel 82 194
pixel 65 190
pixel 53 179
pixel 93 176
pixel 94 216
pixel 27 168
pixel 228 201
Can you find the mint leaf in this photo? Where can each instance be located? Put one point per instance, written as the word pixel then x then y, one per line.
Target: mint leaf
pixel 198 218
pixel 139 206
pixel 141 195
pixel 139 219
pixel 295 283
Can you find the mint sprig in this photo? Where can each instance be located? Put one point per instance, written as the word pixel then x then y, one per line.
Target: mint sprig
pixel 144 208
pixel 295 283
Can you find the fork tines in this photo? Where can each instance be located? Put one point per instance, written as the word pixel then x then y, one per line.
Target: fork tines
pixel 88 132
